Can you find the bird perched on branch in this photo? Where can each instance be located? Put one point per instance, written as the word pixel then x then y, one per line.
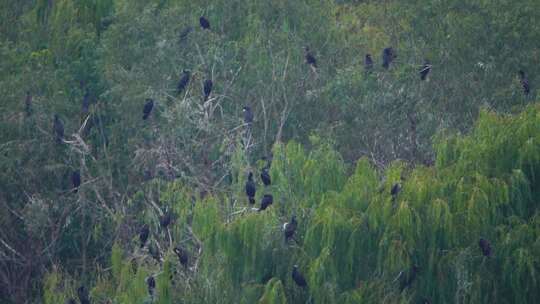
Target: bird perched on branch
pixel 266 201
pixel 368 63
pixel 205 24
pixel 151 283
pixel 76 180
pixel 143 234
pixel 290 228
pixel 248 115
pixel 426 68
pixel 251 189
pixel 207 88
pixel 396 188
pixel 147 110
pixel 265 176
pixel 310 59
pixel 58 129
pixel 485 247
pixel 524 82
pixel 82 293
pixel 388 56
pixel 184 81
pixel 165 219
pixel 298 278
pixel 182 254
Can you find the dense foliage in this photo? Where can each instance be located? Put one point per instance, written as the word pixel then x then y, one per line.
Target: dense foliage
pixel 338 138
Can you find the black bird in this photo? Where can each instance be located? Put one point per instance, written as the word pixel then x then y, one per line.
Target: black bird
pixel 425 70
pixel 58 129
pixel 70 301
pixel 265 177
pixel 205 24
pixel 248 115
pixel 298 277
pixel 290 228
pixel 408 278
pixel 485 247
pixel 182 254
pixel 184 80
pixel 148 106
pixel 368 63
pixel 251 189
pixel 154 252
pixel 165 219
pixel 143 234
pixel 151 282
pixel 388 56
pixel 208 84
pixel 86 102
pixel 82 293
pixel 310 59
pixel 266 201
pixel 524 82
pixel 76 180
pixel 395 190
pixel 28 104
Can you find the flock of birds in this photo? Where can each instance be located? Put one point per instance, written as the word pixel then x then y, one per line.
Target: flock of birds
pixel 406 278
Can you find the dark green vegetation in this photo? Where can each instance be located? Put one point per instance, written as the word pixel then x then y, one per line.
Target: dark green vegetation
pixel 376 194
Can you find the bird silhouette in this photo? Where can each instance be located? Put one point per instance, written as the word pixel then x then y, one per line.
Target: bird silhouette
pixel 298 278
pixel 265 176
pixel 524 82
pixel 205 24
pixel 266 201
pixel 426 68
pixel 165 219
pixel 368 63
pixel 182 254
pixel 251 189
pixel 388 56
pixel 143 234
pixel 485 247
pixel 310 59
pixel 248 115
pixel 184 81
pixel 151 283
pixel 290 228
pixel 148 106
pixel 207 88
pixel 76 180
pixel 82 293
pixel 396 188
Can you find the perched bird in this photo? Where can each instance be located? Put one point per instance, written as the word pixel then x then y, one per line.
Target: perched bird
pixel 266 201
pixel 143 234
pixel 395 190
pixel 207 89
pixel 485 247
pixel 298 277
pixel 82 293
pixel 182 254
pixel 86 102
pixel 76 180
pixel 205 24
pixel 251 189
pixel 148 106
pixel 28 104
pixel 290 228
pixel 310 59
pixel 248 115
pixel 70 301
pixel 154 252
pixel 265 176
pixel 184 80
pixel 165 219
pixel 388 56
pixel 425 70
pixel 58 127
pixel 524 82
pixel 368 63
pixel 407 278
pixel 151 282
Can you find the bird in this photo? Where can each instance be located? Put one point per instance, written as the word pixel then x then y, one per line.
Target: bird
pixel 266 201
pixel 298 277
pixel 388 56
pixel 407 278
pixel 28 104
pixel 151 282
pixel 395 190
pixel 265 176
pixel 290 228
pixel 165 219
pixel 208 84
pixel 425 70
pixel 86 102
pixel 58 127
pixel 248 115
pixel 143 234
pixel 485 247
pixel 184 81
pixel 205 24
pixel 82 293
pixel 310 59
pixel 368 63
pixel 76 180
pixel 524 82
pixel 182 254
pixel 251 188
pixel 148 106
